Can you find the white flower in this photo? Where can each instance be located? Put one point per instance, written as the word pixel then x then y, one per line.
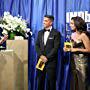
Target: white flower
pixel 6 13
pixel 4 32
pixel 1 25
pixel 28 30
pixel 31 33
pixel 11 23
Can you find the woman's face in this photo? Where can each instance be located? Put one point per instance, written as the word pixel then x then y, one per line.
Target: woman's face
pixel 72 25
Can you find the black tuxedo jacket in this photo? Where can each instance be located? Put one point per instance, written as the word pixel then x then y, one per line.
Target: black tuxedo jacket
pixel 50 50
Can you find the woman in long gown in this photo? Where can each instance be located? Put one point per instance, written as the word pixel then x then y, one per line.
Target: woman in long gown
pixel 80 54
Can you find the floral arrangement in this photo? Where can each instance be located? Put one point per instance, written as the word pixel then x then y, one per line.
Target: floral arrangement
pixel 14 24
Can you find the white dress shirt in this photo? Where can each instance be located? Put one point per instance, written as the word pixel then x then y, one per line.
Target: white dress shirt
pixel 46 35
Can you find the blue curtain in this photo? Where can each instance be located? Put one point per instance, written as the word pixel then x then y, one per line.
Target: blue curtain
pixel 77 5
pixel 33 11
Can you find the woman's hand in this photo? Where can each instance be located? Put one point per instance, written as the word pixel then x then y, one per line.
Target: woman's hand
pixel 70 49
pixel 66 49
pixel 74 49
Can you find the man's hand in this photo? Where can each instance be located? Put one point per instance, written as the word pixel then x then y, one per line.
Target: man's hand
pixel 3 39
pixel 44 59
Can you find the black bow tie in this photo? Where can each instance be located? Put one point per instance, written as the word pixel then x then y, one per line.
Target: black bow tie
pixel 46 30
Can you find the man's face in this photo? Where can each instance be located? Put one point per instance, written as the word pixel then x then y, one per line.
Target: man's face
pixel 47 22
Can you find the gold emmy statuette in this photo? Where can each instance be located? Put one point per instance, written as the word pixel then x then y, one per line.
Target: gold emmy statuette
pixel 40 65
pixel 68 45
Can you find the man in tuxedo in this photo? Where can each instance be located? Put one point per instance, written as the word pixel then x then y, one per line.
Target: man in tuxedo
pixel 47 45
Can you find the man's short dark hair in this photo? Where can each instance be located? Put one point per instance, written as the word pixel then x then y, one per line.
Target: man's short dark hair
pixel 50 17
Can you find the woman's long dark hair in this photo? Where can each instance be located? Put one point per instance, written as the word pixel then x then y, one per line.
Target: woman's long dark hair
pixel 81 25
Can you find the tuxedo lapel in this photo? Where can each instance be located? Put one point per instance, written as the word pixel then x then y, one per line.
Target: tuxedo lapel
pixel 42 37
